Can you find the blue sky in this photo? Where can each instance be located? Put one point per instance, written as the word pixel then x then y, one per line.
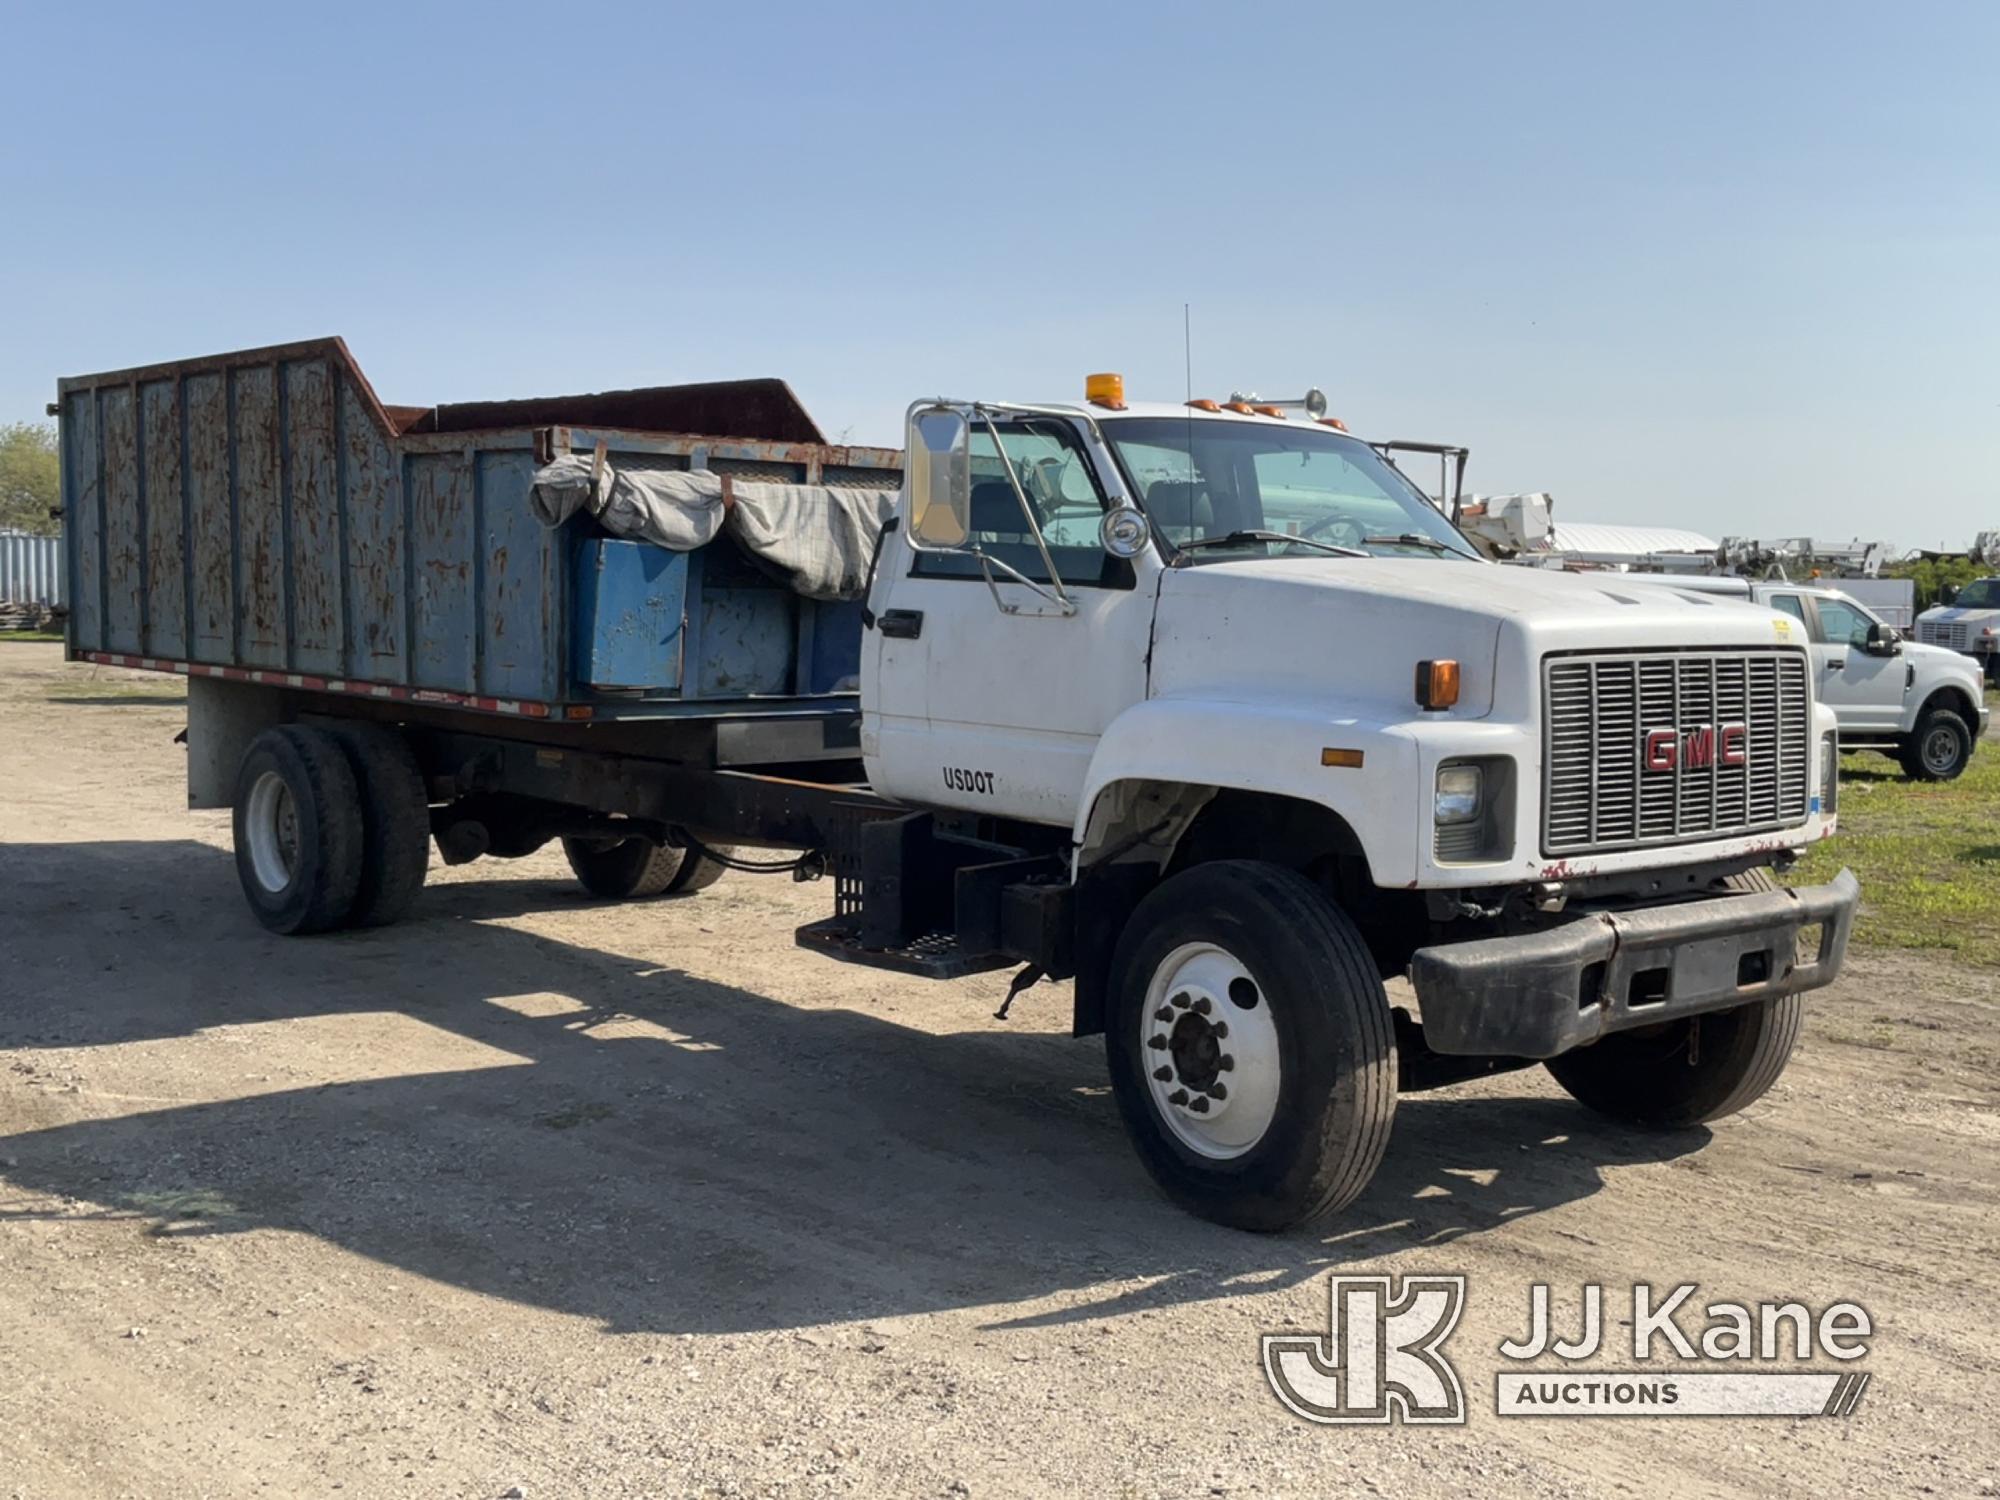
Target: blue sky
pixel 1725 266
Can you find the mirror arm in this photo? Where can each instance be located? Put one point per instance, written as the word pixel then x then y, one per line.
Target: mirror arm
pixel 986 566
pixel 1034 526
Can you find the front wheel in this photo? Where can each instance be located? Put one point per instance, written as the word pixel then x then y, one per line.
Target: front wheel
pixel 1251 1046
pixel 1939 748
pixel 1685 1072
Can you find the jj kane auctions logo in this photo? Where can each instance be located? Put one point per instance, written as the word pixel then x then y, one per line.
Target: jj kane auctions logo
pixel 1381 1359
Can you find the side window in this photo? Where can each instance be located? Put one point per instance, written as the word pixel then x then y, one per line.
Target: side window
pixel 1789 604
pixel 1052 472
pixel 1841 623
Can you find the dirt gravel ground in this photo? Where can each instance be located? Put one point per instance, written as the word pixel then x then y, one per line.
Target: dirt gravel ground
pixel 536 1195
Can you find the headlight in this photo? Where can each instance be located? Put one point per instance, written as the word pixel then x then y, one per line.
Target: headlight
pixel 1459 792
pixel 1829 775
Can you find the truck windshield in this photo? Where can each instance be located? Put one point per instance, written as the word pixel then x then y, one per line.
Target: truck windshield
pixel 1985 594
pixel 1271 489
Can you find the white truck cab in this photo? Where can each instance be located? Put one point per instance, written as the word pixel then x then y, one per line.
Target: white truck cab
pixel 1919 703
pixel 1297 735
pixel 1968 622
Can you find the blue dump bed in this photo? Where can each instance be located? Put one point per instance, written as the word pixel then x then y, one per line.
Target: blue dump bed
pixel 262 515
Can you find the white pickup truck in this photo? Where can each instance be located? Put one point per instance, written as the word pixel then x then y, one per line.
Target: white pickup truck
pixel 1202 706
pixel 1920 703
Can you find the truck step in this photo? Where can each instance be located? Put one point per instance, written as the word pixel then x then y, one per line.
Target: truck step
pixel 934 956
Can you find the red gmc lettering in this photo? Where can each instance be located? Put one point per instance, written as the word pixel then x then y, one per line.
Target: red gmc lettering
pixel 1732 751
pixel 1662 750
pixel 1699 751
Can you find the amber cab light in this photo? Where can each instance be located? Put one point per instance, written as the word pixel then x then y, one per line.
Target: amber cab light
pixel 1105 390
pixel 1202 403
pixel 1437 685
pixel 1334 422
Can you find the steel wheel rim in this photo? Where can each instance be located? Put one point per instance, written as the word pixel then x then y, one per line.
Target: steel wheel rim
pixel 1210 1049
pixel 271 827
pixel 1940 750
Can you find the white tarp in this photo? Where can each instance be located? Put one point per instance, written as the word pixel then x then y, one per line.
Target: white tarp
pixel 820 537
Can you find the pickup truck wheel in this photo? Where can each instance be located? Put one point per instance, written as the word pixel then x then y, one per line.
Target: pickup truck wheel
pixel 1685 1072
pixel 1939 747
pixel 635 869
pixel 1251 1046
pixel 298 833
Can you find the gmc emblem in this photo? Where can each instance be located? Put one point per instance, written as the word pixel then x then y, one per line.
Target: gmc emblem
pixel 1697 749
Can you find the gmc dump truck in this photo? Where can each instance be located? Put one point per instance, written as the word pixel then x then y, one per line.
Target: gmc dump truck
pixel 1202 707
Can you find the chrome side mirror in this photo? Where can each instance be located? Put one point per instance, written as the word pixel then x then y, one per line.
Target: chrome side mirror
pixel 1123 532
pixel 939 455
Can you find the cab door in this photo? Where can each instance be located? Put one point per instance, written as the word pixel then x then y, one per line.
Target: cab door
pixel 1864 691
pixel 984 693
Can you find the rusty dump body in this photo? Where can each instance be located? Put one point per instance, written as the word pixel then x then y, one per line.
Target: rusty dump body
pixel 263 514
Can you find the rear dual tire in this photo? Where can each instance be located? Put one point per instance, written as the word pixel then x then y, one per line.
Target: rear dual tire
pixel 331 827
pixel 637 869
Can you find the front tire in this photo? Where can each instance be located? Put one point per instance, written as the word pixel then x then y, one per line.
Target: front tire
pixel 1256 997
pixel 637 869
pixel 298 834
pixel 1685 1072
pixel 1939 748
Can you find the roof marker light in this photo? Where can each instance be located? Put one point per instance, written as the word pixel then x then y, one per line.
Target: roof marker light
pixel 1105 390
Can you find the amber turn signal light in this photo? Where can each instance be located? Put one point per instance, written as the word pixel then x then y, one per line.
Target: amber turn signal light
pixel 1437 685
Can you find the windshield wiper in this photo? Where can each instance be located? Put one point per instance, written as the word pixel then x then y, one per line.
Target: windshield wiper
pixel 1410 539
pixel 1238 538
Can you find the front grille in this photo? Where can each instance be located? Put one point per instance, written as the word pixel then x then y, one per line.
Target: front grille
pixel 1953 636
pixel 1602 712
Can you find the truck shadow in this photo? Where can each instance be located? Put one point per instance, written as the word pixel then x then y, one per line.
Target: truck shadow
pixel 648 1148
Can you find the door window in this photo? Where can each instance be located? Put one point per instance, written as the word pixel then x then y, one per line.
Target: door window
pixel 1789 604
pixel 1841 624
pixel 1056 478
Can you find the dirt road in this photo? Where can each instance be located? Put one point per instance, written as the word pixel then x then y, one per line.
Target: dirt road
pixel 574 1199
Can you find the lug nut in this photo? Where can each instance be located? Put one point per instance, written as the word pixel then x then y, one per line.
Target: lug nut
pixel 1225 1064
pixel 1157 1043
pixel 1163 1074
pixel 1180 1001
pixel 1218 1090
pixel 1203 1006
pixel 1178 1096
pixel 1199 1106
pixel 1221 1029
pixel 1164 1013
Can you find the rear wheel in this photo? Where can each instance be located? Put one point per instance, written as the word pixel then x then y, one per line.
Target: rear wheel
pixel 395 822
pixel 298 831
pixel 634 869
pixel 1251 1046
pixel 1939 747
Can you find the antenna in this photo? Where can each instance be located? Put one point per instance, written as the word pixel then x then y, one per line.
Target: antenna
pixel 1187 348
pixel 1187 354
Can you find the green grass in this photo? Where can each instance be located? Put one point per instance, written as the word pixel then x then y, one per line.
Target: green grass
pixel 1927 855
pixel 31 635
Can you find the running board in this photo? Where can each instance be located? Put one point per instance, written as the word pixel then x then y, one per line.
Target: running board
pixel 936 955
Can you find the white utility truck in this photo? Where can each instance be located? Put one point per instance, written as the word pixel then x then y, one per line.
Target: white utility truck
pixel 1203 707
pixel 1968 622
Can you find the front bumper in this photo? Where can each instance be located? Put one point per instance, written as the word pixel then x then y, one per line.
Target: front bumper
pixel 1539 994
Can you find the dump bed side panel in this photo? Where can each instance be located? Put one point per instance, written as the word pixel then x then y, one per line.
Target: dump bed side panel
pixel 256 511
pixel 262 513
